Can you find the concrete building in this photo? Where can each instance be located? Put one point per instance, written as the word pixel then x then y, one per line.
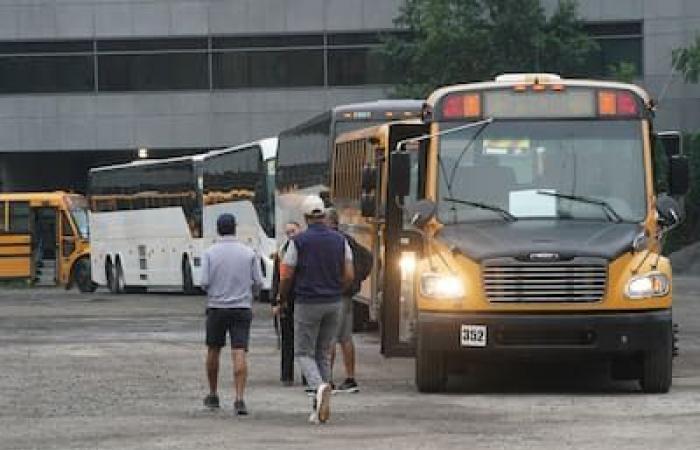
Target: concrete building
pixel 88 82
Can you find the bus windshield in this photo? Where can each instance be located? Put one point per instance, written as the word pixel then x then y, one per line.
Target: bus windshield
pixel 556 169
pixel 80 217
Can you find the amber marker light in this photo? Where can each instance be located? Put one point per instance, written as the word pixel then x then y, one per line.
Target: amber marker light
pixel 607 103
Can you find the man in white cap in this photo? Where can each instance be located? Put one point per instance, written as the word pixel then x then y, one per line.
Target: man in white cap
pixel 319 261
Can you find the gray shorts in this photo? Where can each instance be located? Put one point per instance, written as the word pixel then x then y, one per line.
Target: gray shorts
pixel 344 333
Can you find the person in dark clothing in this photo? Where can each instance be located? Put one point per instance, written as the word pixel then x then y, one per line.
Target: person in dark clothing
pixel 286 316
pixel 362 262
pixel 319 262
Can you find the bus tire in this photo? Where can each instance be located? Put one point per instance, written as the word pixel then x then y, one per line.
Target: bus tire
pixel 111 277
pixel 657 370
pixel 187 280
pixel 431 369
pixel 119 278
pixel 81 275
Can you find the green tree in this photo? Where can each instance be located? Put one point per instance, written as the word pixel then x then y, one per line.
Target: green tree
pixel 453 41
pixel 687 61
pixel 624 71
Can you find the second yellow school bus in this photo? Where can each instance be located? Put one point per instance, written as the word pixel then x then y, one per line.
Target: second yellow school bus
pixel 44 237
pixel 522 218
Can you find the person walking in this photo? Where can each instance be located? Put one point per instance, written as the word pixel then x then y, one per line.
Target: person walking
pixel 286 316
pixel 319 262
pixel 362 264
pixel 231 275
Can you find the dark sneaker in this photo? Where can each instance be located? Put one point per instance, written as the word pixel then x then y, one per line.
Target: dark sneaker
pixel 349 385
pixel 311 392
pixel 239 408
pixel 211 401
pixel 323 400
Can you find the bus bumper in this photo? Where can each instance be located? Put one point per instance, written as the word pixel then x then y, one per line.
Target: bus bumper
pixel 530 336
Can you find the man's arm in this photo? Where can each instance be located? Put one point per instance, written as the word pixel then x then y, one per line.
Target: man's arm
pixel 257 275
pixel 348 268
pixel 204 280
pixel 287 269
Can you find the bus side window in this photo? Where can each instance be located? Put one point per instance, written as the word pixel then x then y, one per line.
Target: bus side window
pixel 19 218
pixel 68 244
pixel 3 223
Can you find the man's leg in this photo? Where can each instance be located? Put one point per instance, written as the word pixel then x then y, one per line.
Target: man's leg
pixel 287 350
pixel 239 330
pixel 327 333
pixel 215 339
pixel 240 372
pixel 306 328
pixel 349 358
pixel 213 368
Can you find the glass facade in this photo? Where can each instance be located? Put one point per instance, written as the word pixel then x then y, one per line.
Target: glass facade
pixel 197 63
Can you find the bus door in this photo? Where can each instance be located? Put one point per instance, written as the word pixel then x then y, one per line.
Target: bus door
pixel 66 248
pixel 401 246
pixel 15 240
pixel 45 243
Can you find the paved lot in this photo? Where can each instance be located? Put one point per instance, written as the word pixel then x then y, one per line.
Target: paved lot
pixel 126 372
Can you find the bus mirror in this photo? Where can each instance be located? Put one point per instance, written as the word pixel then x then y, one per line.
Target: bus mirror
pixel 400 178
pixel 679 175
pixel 369 178
pixel 368 205
pixel 422 212
pixel 671 142
pixel 670 211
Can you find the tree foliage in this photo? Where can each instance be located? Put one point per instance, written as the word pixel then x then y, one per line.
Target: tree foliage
pixel 454 41
pixel 687 61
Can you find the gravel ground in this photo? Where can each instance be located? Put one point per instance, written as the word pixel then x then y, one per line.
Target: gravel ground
pixel 126 372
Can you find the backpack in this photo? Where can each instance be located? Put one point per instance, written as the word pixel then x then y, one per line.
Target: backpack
pixel 361 261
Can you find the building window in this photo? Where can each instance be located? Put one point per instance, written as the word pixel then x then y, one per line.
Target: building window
pixel 288 68
pixel 619 42
pixel 37 74
pixel 153 72
pixel 192 63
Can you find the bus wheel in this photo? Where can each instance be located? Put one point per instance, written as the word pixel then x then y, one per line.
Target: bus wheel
pixel 187 282
pixel 119 278
pixel 81 276
pixel 658 368
pixel 111 277
pixel 431 370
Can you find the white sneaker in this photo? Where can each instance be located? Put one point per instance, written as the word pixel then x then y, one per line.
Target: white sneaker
pixel 323 401
pixel 313 418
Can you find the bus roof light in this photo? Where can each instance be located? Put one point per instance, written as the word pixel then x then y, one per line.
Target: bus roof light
pixel 617 103
pixel 626 104
pixel 462 105
pixel 607 103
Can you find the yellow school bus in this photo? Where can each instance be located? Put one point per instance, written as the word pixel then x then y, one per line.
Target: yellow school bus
pixel 523 218
pixel 44 239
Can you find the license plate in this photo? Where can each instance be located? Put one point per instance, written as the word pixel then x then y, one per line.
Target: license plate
pixel 473 336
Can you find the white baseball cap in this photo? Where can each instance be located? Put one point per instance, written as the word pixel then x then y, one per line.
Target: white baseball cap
pixel 313 206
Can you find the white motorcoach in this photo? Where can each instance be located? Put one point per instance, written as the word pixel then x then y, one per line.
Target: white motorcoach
pixel 151 220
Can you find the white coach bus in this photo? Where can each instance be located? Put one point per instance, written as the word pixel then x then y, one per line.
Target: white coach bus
pixel 152 220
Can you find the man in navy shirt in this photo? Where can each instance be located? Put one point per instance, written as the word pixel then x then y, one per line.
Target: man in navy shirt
pixel 319 261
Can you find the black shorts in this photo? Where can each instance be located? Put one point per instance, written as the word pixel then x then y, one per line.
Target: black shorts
pixel 235 321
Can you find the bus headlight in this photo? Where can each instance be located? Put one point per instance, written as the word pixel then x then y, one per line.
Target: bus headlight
pixel 407 263
pixel 652 284
pixel 441 286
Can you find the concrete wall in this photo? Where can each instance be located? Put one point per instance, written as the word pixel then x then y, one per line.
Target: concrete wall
pixel 667 24
pixel 219 118
pixel 174 119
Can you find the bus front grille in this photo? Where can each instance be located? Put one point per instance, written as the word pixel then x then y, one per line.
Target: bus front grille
pixel 507 280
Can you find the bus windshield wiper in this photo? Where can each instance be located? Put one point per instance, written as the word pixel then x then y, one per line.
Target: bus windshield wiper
pixel 506 215
pixel 609 210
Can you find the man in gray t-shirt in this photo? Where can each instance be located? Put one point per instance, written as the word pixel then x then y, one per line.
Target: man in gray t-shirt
pixel 230 274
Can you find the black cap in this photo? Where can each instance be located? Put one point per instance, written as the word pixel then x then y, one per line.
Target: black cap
pixel 226 224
